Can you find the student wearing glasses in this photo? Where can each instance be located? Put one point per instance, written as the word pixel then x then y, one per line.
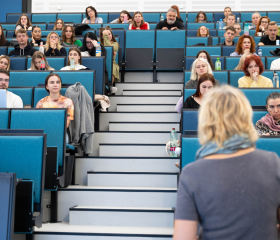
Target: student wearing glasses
pixel 91 14
pixel 53 47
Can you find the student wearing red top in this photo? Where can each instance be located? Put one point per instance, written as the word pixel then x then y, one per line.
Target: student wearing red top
pixel 138 22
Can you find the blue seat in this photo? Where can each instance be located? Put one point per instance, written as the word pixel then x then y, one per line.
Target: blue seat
pixel 221 76
pixel 18 63
pixel 40 92
pixel 269 60
pixel 117 25
pixel 235 75
pixel 46 32
pixel 43 26
pixel 257 115
pixel 151 17
pixel 170 49
pixel 95 25
pixel 26 94
pixel 27 78
pixel 189 61
pixel 227 50
pixel 212 50
pixel 257 96
pixel 4 118
pixel 152 26
pixel 257 39
pixel 183 16
pixel 220 15
pixel 13 17
pixel 55 62
pixel 195 40
pixel 114 15
pixel 266 49
pixel 189 119
pixel 43 17
pixel 274 16
pixel 9 26
pixel 232 62
pixel 192 16
pixel 197 25
pixel 142 45
pixel 70 17
pixel 221 32
pixel 50 26
pixel 247 16
pixel 3 50
pixel 109 62
pixel 193 32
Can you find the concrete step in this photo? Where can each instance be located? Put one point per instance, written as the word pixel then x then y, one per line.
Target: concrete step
pixel 146 107
pixel 119 216
pixel 152 92
pixel 84 164
pixel 132 179
pixel 166 77
pixel 132 150
pixel 113 196
pixel 114 100
pixel 143 126
pixel 65 231
pixel 106 117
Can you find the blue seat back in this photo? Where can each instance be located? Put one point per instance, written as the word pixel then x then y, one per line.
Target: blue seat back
pixel 198 25
pixel 193 32
pixel 257 115
pixel 70 17
pixel 41 92
pixel 247 16
pixel 114 15
pixel 4 118
pixel 9 26
pixel 27 78
pixel 46 32
pixel 117 25
pixel 3 51
pixel 266 49
pixel 95 26
pixel 188 92
pixel 25 93
pixel 192 17
pixel 109 62
pixel 18 63
pixel 257 96
pixel 151 17
pixel 189 120
pixel 152 26
pixel 13 17
pixel 213 51
pixel 220 15
pixel 43 17
pixel 143 39
pixel 189 61
pixel 235 75
pixel 55 62
pixel 227 50
pixel 232 62
pixel 269 60
pixel 274 16
pixel 195 40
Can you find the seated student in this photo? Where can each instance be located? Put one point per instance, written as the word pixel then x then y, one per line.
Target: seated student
pixel 36 36
pixel 68 37
pixel 255 20
pixel 23 23
pixel 201 17
pixel 59 24
pixel 13 100
pixel 199 67
pixel 262 26
pixel 202 31
pixel 53 47
pixel 75 53
pixel 22 48
pixel 107 39
pixel 170 22
pixel 138 22
pixel 230 21
pixel 229 36
pixel 252 68
pixel 237 28
pixel 241 61
pixel 204 54
pixel 275 65
pixel 5 62
pixel 92 16
pixel 55 99
pixel 3 41
pixel 270 123
pixel 245 44
pixel 36 62
pixel 227 11
pixel 205 83
pixel 271 37
pixel 178 16
pixel 121 17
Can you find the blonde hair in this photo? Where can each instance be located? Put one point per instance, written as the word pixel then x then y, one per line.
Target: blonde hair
pixel 193 72
pixel 47 46
pixel 241 61
pixel 225 112
pixel 39 54
pixel 8 59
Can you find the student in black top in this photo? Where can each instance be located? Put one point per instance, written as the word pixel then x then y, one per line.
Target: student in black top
pixel 229 36
pixel 170 21
pixel 271 37
pixel 205 83
pixel 53 47
pixel 3 41
pixel 36 36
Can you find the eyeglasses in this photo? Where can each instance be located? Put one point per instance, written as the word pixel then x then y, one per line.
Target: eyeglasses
pixel 88 42
pixel 53 36
pixel 264 21
pixel 4 80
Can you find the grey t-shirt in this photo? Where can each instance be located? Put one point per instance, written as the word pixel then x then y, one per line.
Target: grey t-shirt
pixel 193 83
pixel 234 198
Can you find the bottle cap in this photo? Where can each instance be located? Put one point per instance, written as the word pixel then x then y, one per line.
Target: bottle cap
pixel 218 58
pixel 41 43
pixel 173 128
pixel 221 19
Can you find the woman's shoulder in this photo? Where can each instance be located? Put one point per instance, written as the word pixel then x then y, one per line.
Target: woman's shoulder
pixel 66 100
pixel 235 54
pixel 265 78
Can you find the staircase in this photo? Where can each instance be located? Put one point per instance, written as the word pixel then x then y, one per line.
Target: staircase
pixel 127 189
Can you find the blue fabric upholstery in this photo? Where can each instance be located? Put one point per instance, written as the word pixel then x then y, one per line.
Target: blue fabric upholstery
pixel 257 39
pixel 195 40
pixel 26 94
pixel 188 92
pixel 189 61
pixel 170 39
pixel 221 76
pixel 18 63
pixel 220 15
pixel 235 75
pixel 232 62
pixel 140 39
pixel 117 25
pixel 27 161
pixel 50 26
pixel 274 16
pixel 247 16
pixel 189 120
pixel 95 25
pixel 43 17
pixel 55 62
pixel 269 60
pixel 227 50
pixel 10 33
pixel 197 25
pixel 9 26
pixel 257 96
pixel 4 118
pixel 266 49
pixel 70 17
pixel 46 32
pixel 151 17
pixel 213 51
pixel 3 50
pixel 193 32
pixel 13 17
pixel 257 115
pixel 40 92
pixel 27 78
pixel 192 16
pixel 109 62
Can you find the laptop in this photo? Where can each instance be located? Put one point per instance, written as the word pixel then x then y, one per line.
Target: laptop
pixel 3 98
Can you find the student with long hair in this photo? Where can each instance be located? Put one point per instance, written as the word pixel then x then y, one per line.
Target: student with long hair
pixel 120 19
pixel 59 24
pixel 92 16
pixel 53 47
pixel 23 23
pixel 36 61
pixel 202 31
pixel 5 62
pixel 262 26
pixel 245 44
pixel 75 53
pixel 138 22
pixel 204 54
pixel 68 36
pixel 3 41
pixel 201 17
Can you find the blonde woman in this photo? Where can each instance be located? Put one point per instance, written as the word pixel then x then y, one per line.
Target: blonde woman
pixel 242 59
pixel 233 186
pixel 53 47
pixel 36 62
pixel 5 62
pixel 59 24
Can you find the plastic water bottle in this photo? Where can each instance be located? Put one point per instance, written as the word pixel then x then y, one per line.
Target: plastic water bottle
pixel 98 50
pixel 218 65
pixel 72 64
pixel 238 19
pixel 221 24
pixel 173 143
pixel 246 29
pixel 260 52
pixel 161 18
pixel 41 48
pixel 275 80
pixel 42 64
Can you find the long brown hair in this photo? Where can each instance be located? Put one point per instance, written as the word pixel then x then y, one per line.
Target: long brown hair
pixel 177 9
pixel 101 34
pixel 39 54
pixel 29 23
pixel 2 38
pixel 208 58
pixel 204 77
pixel 55 24
pixel 133 21
pixel 125 12
pixel 259 23
pixel 63 35
pixel 204 14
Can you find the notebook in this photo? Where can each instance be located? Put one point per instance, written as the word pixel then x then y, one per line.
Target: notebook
pixel 3 98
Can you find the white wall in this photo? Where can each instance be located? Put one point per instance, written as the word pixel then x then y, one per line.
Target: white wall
pixel 39 6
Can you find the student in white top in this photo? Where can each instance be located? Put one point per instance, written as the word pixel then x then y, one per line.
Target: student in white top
pixel 75 53
pixel 13 100
pixel 275 65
